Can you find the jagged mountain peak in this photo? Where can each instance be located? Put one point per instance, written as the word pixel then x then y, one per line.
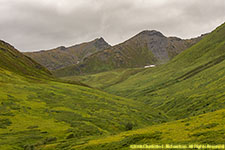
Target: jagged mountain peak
pixel 101 43
pixel 100 40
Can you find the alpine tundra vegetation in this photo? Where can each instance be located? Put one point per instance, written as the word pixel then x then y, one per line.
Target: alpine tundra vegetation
pixel 151 89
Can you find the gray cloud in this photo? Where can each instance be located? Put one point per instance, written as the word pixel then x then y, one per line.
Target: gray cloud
pixel 43 24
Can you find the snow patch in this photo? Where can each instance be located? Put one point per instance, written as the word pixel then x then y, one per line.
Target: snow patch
pixel 149 66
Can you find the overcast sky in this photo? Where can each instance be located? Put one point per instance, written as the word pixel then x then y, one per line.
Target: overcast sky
pixel 43 24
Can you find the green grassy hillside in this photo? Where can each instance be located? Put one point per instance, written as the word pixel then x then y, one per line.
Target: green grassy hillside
pixel 201 130
pixel 146 48
pixel 11 59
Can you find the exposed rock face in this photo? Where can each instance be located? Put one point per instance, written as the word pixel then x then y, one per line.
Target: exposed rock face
pixel 65 56
pixel 157 43
pixel 101 43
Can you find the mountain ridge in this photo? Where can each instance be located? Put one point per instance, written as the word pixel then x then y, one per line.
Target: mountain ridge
pixel 146 48
pixel 62 56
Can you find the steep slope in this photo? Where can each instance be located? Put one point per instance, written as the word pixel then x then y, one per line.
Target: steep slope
pixel 65 56
pixel 147 47
pixel 14 61
pixel 37 111
pixel 194 79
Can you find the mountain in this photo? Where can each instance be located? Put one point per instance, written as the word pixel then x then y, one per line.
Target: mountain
pixel 14 61
pixel 37 109
pixel 146 48
pixel 195 79
pixel 65 56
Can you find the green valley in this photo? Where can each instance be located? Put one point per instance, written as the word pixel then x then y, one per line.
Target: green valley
pixel 189 89
pixel 181 100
